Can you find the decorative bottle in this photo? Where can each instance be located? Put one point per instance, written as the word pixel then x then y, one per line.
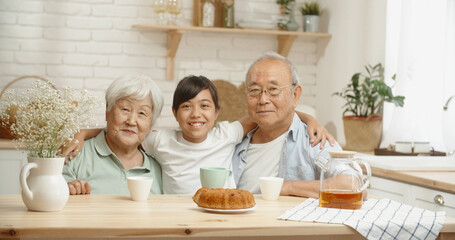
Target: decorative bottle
pixel 228 14
pixel 291 25
pixel 208 14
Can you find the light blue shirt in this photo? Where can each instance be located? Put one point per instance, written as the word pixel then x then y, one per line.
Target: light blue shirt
pixel 297 159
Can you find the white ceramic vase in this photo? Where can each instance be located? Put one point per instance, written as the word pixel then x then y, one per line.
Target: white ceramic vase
pixel 292 25
pixel 43 186
pixel 311 23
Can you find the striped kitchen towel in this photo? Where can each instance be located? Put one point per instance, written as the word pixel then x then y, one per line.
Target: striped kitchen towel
pixel 377 219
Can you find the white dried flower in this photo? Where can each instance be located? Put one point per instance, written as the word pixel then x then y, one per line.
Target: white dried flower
pixel 47 118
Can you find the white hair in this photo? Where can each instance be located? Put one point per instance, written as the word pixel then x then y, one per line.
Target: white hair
pixel 275 56
pixel 138 87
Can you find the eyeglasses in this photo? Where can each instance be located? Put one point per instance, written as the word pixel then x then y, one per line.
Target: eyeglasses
pixel 272 91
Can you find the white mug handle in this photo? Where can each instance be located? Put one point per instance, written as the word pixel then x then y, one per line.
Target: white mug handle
pixel 23 179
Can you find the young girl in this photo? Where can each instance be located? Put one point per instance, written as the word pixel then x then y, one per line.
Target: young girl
pixel 199 142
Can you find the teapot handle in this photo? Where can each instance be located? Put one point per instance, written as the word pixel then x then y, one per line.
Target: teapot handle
pixel 23 179
pixel 367 167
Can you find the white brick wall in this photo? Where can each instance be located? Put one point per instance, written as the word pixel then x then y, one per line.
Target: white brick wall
pixel 89 43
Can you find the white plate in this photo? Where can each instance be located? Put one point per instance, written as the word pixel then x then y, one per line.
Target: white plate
pixel 242 210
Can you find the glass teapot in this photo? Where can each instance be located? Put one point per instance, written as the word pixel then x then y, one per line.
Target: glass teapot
pixel 342 182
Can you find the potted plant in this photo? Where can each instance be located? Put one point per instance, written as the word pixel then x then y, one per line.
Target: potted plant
pixel 362 116
pixel 311 13
pixel 44 120
pixel 287 11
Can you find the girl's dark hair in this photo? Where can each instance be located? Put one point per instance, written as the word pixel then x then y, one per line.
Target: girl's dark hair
pixel 189 87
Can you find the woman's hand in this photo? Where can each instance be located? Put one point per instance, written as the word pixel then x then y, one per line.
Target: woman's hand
pixel 78 187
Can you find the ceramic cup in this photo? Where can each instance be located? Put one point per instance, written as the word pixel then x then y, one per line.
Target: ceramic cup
pixel 139 187
pixel 403 147
pixel 214 177
pixel 270 187
pixel 422 147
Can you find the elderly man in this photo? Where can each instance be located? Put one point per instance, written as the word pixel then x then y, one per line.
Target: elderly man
pixel 280 145
pixel 133 104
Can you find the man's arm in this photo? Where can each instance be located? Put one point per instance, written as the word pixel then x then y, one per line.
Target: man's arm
pixel 300 188
pixel 311 189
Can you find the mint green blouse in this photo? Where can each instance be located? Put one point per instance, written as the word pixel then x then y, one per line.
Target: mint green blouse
pixel 98 165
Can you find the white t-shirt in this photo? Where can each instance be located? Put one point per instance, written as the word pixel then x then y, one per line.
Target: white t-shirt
pixel 270 151
pixel 181 160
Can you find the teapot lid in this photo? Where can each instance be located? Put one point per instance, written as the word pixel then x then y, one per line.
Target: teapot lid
pixel 342 154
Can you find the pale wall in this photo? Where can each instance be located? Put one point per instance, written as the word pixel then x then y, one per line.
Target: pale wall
pixel 358 38
pixel 88 43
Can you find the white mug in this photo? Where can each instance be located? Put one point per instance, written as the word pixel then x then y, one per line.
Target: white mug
pixel 403 147
pixel 139 187
pixel 422 147
pixel 270 187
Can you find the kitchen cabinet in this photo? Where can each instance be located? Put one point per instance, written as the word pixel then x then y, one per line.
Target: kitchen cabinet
pixel 285 39
pixel 434 200
pixel 11 162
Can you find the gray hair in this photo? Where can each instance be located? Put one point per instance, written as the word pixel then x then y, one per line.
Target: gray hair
pixel 275 56
pixel 138 87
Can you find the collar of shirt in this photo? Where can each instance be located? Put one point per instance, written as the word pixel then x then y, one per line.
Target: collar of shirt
pixel 240 154
pixel 292 132
pixel 103 149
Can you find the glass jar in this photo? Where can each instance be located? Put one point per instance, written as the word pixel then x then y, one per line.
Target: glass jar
pixel 342 182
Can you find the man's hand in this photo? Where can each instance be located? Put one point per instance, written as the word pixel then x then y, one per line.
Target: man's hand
pixel 78 187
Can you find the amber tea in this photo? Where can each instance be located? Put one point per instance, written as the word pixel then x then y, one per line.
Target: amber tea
pixel 340 199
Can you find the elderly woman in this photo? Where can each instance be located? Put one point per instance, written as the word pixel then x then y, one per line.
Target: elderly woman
pixel 133 103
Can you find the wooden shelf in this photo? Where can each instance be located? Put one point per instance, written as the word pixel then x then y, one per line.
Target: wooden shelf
pixel 174 35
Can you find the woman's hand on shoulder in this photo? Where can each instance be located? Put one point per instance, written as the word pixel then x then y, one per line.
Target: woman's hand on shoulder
pixel 78 187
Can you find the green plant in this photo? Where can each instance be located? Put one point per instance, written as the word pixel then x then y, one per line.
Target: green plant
pixel 310 8
pixel 366 94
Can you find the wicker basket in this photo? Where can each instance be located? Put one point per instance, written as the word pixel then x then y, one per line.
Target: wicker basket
pixel 362 133
pixel 5 127
pixel 232 101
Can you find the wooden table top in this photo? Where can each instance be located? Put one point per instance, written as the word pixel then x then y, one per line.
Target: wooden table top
pixel 160 216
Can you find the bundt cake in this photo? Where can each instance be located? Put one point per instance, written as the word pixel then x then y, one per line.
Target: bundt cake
pixel 220 198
